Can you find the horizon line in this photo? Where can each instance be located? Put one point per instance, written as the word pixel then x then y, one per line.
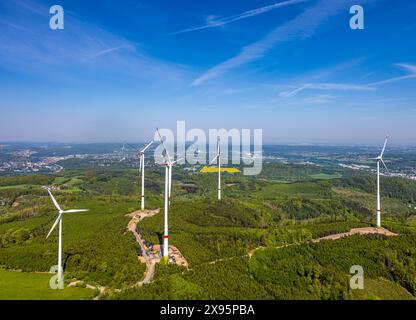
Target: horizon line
pixel 295 144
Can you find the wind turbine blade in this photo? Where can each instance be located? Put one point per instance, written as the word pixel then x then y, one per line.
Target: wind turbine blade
pixel 54 225
pixel 384 165
pixel 54 200
pixel 133 147
pixel 213 160
pixel 76 210
pixel 384 147
pixel 174 162
pixel 163 144
pixel 146 147
pixel 140 166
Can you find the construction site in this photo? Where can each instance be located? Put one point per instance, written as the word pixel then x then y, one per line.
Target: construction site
pixel 150 253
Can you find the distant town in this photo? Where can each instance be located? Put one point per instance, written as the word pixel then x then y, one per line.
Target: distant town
pixel 18 159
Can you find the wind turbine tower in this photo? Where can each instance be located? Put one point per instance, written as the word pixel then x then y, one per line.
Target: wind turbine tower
pixel 141 153
pixel 218 159
pixel 380 159
pixel 168 169
pixel 142 171
pixel 59 220
pixel 168 188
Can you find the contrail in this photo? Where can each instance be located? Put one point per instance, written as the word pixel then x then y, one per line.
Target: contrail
pixel 244 15
pixel 301 27
pixel 103 52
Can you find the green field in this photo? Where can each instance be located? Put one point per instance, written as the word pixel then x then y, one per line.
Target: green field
pixel 21 186
pixel 324 176
pixel 35 286
pixel 382 289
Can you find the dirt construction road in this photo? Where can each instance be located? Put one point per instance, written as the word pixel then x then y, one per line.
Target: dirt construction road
pixel 137 216
pixel 360 231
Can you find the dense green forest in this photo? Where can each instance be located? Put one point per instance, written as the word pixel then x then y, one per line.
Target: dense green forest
pixel 255 244
pixel 307 271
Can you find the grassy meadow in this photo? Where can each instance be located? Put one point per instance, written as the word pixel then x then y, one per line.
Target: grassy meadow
pixel 35 286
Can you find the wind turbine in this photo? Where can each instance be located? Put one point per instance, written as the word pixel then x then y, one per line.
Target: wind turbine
pixel 59 220
pixel 196 155
pixel 168 186
pixel 380 159
pixel 123 152
pixel 167 197
pixel 141 168
pixel 218 158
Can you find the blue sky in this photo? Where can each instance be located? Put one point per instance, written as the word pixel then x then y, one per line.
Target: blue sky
pixel 291 67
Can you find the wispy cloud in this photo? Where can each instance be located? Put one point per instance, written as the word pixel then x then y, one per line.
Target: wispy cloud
pixel 328 72
pixel 213 21
pixel 350 86
pixel 15 26
pixel 302 26
pixel 81 48
pixel 408 67
pixel 103 52
pixel 327 86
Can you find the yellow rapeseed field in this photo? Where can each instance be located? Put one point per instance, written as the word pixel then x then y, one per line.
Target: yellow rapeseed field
pixel 215 169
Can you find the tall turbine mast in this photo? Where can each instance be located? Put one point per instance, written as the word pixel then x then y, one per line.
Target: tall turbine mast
pixel 168 168
pixel 168 189
pixel 218 159
pixel 59 220
pixel 141 169
pixel 378 205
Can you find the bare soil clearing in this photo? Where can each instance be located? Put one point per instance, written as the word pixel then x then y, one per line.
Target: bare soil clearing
pixel 359 231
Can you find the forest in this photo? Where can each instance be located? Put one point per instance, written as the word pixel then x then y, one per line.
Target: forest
pixel 254 244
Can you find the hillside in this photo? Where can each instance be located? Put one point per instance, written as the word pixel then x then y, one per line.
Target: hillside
pixel 215 238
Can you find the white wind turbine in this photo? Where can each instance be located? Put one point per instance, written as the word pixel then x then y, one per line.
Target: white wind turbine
pixel 123 152
pixel 59 220
pixel 218 158
pixel 168 186
pixel 141 169
pixel 380 159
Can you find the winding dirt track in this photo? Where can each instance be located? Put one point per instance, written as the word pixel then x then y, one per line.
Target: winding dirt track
pixel 175 256
pixel 356 231
pixel 360 231
pixel 336 236
pixel 137 216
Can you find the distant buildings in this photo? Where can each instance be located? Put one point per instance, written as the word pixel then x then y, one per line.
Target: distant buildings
pixel 410 176
pixel 354 166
